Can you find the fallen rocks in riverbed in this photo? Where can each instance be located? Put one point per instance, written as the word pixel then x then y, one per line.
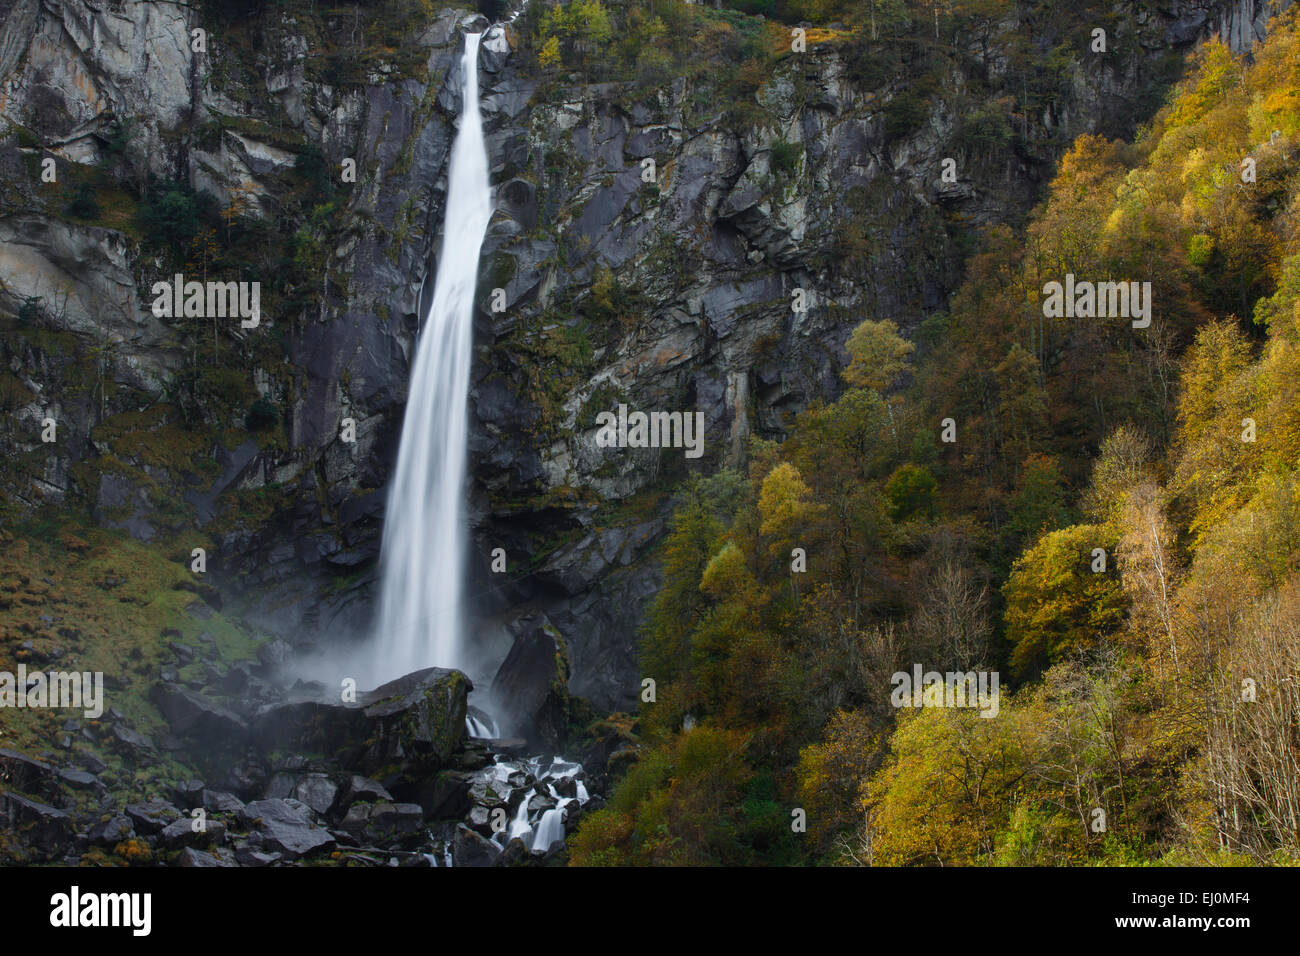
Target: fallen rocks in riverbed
pixel 391 780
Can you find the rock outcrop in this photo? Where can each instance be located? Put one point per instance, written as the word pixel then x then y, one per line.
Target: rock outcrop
pixel 530 690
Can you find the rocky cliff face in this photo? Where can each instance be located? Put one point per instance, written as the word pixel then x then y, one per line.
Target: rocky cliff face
pixel 651 244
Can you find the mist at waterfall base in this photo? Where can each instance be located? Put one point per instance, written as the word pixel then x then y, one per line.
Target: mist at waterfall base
pixel 421 621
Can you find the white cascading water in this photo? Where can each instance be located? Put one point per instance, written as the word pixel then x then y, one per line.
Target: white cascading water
pixel 420 617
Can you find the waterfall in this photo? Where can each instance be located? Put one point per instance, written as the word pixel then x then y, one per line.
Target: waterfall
pixel 420 617
pixel 550 830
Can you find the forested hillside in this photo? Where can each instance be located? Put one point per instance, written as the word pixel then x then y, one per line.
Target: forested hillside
pixel 1113 526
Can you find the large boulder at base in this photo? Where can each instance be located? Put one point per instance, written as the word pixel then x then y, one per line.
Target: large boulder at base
pixel 410 726
pixel 530 691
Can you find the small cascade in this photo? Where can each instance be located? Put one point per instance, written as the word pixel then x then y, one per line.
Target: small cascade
pixel 519 825
pixel 520 781
pixel 481 725
pixel 549 831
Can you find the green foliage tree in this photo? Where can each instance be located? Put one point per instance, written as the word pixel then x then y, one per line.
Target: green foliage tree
pixel 1055 602
pixel 877 355
pixel 911 492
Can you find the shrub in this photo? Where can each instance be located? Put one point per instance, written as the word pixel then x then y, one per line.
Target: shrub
pixel 785 158
pixel 83 204
pixel 262 414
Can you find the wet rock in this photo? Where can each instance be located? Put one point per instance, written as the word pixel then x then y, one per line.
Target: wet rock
pixel 193 715
pixel 248 856
pixel 112 831
pixel 475 756
pixel 513 746
pixel 132 744
pixel 35 832
pixel 150 818
pixel 480 819
pixel 540 803
pixel 515 854
pixel 192 858
pixel 285 828
pixel 414 723
pixel 80 780
pixel 188 794
pixel 27 774
pixel 246 779
pixel 529 689
pixel 382 823
pixel 183 833
pixel 317 791
pixel 470 849
pixel 218 801
pixel 362 790
pixel 484 791
pixel 446 797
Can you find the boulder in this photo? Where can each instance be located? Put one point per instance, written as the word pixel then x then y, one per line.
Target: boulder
pixel 516 853
pixel 247 856
pixel 529 692
pixel 362 790
pixel 487 792
pixel 218 801
pixel 190 857
pixel 540 803
pixel 480 820
pixel 220 733
pixel 411 725
pixel 31 831
pixel 316 790
pixel 422 713
pixel 152 817
pixel 112 831
pixel 80 780
pixel 246 779
pixel 470 849
pixel 378 824
pixel 27 774
pixel 188 794
pixel 285 828
pixel 133 745
pixel 279 786
pixel 446 796
pixel 182 833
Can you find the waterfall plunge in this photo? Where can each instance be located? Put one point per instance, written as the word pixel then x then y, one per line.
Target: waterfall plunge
pixel 420 617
